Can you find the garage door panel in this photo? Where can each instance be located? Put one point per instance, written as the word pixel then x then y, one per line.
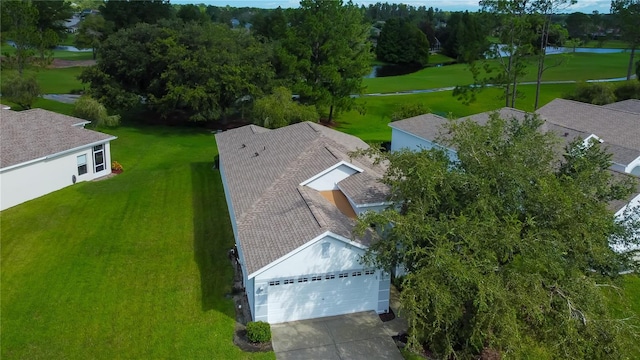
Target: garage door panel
pixel 326 297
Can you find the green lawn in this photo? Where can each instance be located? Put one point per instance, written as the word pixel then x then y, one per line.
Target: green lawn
pixel 579 66
pixel 55 81
pixel 58 54
pixel 372 126
pixel 132 267
pixel 609 44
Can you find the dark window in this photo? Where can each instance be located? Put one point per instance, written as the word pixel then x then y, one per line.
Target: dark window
pixel 82 164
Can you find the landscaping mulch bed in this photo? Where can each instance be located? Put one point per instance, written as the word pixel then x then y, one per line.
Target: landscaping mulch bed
pixel 243 315
pixel 60 63
pixel 387 316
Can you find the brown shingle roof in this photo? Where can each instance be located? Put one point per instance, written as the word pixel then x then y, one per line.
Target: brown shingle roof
pixel 426 126
pixel 365 188
pixel 613 126
pixel 632 106
pixel 263 171
pixel 37 133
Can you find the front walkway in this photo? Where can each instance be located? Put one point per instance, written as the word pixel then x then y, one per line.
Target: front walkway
pixel 354 336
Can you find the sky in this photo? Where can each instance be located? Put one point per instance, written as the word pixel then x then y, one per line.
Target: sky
pixel 585 6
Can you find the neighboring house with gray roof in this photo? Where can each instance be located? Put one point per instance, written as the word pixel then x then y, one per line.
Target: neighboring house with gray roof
pixel 42 151
pixel 616 126
pixel 293 196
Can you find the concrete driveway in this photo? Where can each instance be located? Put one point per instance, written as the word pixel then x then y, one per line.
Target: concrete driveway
pixel 354 336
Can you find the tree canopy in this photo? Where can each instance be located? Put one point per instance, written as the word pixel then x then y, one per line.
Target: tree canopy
pixel 279 109
pixel 191 71
pixel 327 53
pixel 627 13
pixel 401 42
pixel 507 245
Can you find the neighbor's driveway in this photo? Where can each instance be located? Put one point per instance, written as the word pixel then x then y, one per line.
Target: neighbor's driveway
pixel 354 336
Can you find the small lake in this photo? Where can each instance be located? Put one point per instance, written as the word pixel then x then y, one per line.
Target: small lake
pixel 59 47
pixel 568 50
pixel 396 69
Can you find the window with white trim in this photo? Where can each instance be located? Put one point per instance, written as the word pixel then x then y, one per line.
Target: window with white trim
pixel 82 164
pixel 329 277
pixel 274 283
pixel 303 279
pixel 316 278
pixel 356 273
pixel 369 272
pixel 343 275
pixel 325 250
pixel 288 281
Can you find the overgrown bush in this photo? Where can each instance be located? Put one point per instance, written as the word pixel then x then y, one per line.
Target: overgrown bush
pixel 593 93
pixel 279 109
pixel 91 109
pixel 409 110
pixel 627 90
pixel 20 90
pixel 258 332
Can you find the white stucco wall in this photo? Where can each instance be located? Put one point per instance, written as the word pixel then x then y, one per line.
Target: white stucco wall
pixel 328 180
pixel 309 260
pixel 24 183
pixel 403 140
pixel 312 299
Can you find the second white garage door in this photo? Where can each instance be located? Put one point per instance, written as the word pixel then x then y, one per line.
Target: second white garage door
pixel 308 297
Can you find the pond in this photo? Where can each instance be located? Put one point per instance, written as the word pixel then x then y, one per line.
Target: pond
pixel 59 47
pixel 392 70
pixel 563 50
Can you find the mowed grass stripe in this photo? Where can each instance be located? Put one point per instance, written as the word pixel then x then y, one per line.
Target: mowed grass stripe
pixel 130 267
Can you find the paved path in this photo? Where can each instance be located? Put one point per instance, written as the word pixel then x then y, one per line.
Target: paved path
pixel 354 336
pixel 71 98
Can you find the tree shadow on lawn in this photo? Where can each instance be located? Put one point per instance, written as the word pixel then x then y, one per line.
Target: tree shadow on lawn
pixel 213 237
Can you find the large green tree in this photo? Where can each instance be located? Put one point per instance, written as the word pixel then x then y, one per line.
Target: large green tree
pixel 506 246
pixel 627 15
pixel 464 37
pixel 19 20
pixel 328 53
pixel 50 24
pixel 126 13
pixel 543 10
pixel 513 29
pixel 91 32
pixel 188 71
pixel 401 42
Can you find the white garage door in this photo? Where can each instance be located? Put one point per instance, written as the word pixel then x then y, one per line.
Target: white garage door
pixel 308 297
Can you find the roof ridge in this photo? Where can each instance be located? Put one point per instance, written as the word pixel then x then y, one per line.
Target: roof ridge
pixel 317 214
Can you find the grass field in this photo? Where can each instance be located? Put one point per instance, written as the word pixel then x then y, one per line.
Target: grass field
pixel 132 267
pixel 579 66
pixel 58 54
pixel 372 126
pixel 54 81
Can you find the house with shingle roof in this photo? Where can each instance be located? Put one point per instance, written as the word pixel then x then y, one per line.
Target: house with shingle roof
pixel 616 126
pixel 42 151
pixel 294 194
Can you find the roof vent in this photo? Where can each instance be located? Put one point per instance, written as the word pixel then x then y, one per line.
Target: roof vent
pixel 566 134
pixel 243 146
pixel 256 154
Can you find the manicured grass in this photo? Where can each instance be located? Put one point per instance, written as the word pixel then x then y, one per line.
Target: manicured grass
pixel 131 267
pixel 372 126
pixel 58 54
pixel 608 44
pixel 439 59
pixel 579 66
pixel 54 81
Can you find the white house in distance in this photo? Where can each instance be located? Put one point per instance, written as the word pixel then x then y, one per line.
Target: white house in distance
pixel 42 151
pixel 616 126
pixel 293 195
